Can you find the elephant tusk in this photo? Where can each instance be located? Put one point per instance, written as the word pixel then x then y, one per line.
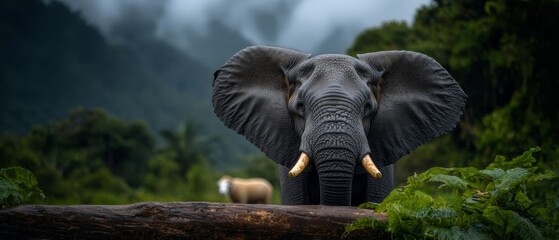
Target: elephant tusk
pixel 371 167
pixel 299 166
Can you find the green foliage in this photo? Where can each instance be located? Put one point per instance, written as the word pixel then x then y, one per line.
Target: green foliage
pixel 163 171
pixel 442 151
pixel 390 36
pixel 466 203
pixel 94 158
pixel 18 186
pixel 501 52
pixel 507 129
pixel 188 146
pixel 202 183
pixel 89 139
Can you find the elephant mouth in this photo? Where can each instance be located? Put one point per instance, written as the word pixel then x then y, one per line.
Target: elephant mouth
pixel 303 161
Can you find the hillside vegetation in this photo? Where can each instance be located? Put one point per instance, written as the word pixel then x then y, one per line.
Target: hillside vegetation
pixel 502 54
pixel 52 61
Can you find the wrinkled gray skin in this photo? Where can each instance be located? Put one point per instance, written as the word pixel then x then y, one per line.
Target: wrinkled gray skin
pixel 336 109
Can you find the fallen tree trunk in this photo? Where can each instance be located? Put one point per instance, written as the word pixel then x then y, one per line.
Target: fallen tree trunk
pixel 188 220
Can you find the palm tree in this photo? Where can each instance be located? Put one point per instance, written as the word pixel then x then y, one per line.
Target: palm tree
pixel 187 146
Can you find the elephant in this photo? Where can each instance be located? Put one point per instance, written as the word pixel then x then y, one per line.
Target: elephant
pixel 335 124
pixel 248 191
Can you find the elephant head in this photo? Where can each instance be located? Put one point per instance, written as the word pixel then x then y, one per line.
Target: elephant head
pixel 335 112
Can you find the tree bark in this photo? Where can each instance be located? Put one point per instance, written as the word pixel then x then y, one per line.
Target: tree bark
pixel 182 220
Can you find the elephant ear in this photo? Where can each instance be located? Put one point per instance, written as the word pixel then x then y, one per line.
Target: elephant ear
pixel 418 101
pixel 250 96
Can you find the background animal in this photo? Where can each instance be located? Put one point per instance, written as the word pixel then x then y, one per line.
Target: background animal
pixel 251 190
pixel 343 116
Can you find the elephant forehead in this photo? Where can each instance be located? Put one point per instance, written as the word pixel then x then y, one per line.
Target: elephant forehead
pixel 334 61
pixel 335 71
pixel 336 68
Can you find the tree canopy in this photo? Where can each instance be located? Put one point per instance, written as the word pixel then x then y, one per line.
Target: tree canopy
pixel 501 52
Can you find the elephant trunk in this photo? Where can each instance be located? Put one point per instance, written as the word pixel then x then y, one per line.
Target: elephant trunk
pixel 335 172
pixel 337 142
pixel 335 161
pixel 335 177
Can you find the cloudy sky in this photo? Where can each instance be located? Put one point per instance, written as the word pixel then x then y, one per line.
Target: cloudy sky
pixel 314 26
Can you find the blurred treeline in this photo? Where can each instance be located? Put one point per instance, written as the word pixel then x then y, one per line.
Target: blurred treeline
pixel 92 157
pixel 503 53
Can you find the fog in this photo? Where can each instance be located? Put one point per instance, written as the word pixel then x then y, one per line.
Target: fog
pixel 212 29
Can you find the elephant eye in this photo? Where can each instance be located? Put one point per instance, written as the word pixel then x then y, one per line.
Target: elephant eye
pixel 300 108
pixel 368 109
pixel 290 86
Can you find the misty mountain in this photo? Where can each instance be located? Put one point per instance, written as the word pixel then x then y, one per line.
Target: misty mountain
pixel 173 66
pixel 52 60
pixel 214 48
pixel 223 41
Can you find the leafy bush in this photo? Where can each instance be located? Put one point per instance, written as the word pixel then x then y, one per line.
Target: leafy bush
pixel 466 203
pixel 18 186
